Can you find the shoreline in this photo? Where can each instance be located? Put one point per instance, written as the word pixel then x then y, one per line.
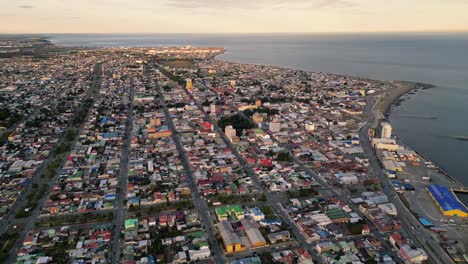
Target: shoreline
pixel 391 98
pixel 381 108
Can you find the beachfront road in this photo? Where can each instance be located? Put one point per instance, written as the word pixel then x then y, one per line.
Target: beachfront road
pixel 410 224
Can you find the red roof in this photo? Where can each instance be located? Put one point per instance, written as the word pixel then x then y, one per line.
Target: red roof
pixel 266 162
pixel 207 126
pixel 217 178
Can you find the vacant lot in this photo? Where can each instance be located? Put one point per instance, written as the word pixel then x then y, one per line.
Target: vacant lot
pixel 178 63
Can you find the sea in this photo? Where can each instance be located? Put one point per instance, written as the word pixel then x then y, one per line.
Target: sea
pixel 429 121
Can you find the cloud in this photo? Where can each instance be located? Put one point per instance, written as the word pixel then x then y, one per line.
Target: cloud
pixel 254 4
pixel 26 6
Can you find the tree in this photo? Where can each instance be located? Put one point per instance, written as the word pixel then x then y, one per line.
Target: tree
pixel 284 156
pixel 55 197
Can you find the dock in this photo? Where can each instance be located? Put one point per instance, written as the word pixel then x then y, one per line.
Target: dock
pixel 418 116
pixel 464 190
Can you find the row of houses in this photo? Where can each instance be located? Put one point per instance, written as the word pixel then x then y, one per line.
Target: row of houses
pixel 89 178
pixel 36 110
pixel 175 237
pixel 215 167
pixel 156 174
pixel 71 244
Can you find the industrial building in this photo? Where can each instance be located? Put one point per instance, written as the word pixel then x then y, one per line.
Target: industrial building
pixel 238 236
pixel 231 241
pixel 447 202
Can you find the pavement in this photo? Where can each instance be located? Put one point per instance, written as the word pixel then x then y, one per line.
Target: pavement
pixel 36 212
pixel 276 203
pixel 199 203
pixel 411 226
pixel 119 213
pixel 21 201
pixel 273 199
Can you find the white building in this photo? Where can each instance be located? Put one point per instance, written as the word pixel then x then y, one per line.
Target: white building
pixel 230 132
pixel 213 108
pixel 203 253
pixel 386 130
pixel 413 255
pixel 275 126
pixel 310 126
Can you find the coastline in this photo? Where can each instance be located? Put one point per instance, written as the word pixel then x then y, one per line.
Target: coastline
pixel 392 97
pixel 383 102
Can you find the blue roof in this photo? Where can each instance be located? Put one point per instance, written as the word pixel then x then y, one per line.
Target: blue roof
pixel 106 120
pixel 110 135
pixel 256 211
pixel 396 183
pixel 322 233
pixel 271 222
pixel 424 221
pixel 445 198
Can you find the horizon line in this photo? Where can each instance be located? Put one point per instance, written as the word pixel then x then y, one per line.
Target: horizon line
pixel 241 33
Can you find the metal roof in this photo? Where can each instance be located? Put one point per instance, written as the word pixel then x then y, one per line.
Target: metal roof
pixel 445 198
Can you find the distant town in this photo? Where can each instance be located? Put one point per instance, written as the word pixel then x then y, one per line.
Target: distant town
pixel 168 155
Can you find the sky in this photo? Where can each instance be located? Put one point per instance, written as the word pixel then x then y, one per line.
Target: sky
pixel 231 16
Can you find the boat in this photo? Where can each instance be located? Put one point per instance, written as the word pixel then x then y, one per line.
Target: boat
pixel 462 137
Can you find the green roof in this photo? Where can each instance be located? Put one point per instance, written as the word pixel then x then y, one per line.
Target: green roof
pixel 197 234
pixel 129 223
pixel 336 213
pixel 225 210
pixel 258 131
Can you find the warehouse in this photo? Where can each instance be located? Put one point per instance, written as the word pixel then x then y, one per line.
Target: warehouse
pixel 231 241
pixel 447 202
pixel 392 165
pixel 255 237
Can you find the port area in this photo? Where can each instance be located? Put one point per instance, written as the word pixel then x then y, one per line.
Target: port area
pixel 418 173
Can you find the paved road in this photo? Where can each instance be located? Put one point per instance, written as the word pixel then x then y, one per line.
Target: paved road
pixel 35 215
pixel 381 236
pixel 410 224
pixel 21 201
pixel 119 214
pixel 276 203
pixel 199 203
pixel 270 197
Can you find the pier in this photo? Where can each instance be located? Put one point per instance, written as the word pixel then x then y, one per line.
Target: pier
pixel 419 116
pixel 464 190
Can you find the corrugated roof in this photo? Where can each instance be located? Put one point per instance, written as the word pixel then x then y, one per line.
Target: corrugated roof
pixel 445 198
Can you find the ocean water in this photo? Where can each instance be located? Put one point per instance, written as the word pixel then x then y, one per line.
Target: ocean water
pixel 436 58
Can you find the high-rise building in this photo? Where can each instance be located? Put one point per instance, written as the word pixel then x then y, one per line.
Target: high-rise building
pixel 188 84
pixel 213 108
pixel 386 130
pixel 230 132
